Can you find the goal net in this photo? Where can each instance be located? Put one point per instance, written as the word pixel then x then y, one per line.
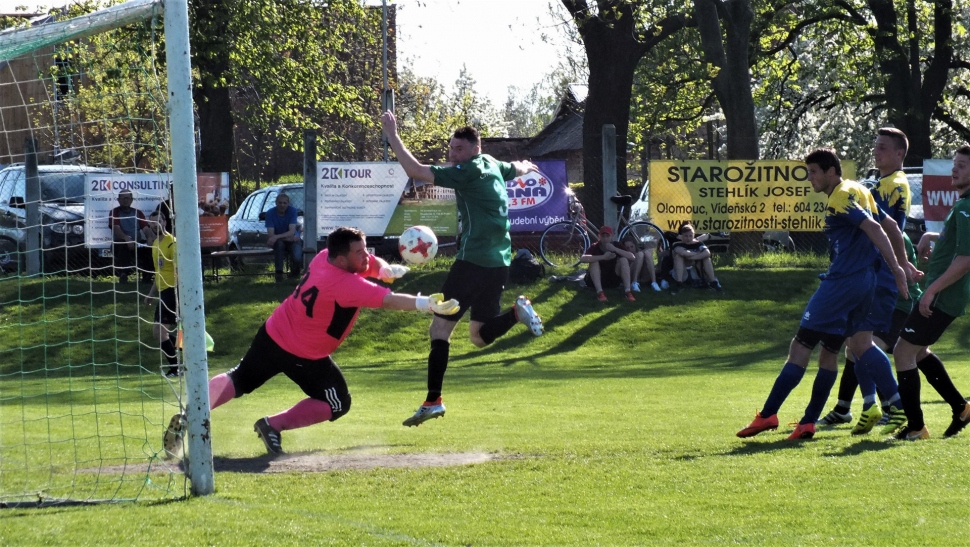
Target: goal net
pixel 84 145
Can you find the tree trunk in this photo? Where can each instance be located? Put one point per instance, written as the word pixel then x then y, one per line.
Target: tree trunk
pixel 732 86
pixel 614 45
pixel 210 54
pixel 912 96
pixel 611 69
pixel 215 129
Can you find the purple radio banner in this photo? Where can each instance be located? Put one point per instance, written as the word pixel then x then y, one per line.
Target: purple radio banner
pixel 537 200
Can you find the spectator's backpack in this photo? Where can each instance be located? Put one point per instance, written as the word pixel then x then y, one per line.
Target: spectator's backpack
pixel 525 268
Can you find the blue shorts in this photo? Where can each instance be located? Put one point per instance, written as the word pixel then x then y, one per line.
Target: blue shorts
pixel 840 306
pixel 880 316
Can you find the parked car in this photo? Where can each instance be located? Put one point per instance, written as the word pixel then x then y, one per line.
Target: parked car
pixel 247 228
pixel 62 218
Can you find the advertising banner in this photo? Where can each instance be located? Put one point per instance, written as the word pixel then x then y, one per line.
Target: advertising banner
pixel 424 204
pixel 361 195
pixel 101 196
pixel 213 209
pixel 537 200
pixel 938 193
pixel 736 196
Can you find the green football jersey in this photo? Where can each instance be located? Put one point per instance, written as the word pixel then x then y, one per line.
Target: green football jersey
pixel 483 203
pixel 914 289
pixel 954 241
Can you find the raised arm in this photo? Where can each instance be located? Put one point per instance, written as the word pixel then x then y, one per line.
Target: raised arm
pixel 412 166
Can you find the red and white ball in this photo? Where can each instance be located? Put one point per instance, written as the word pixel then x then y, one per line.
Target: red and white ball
pixel 418 245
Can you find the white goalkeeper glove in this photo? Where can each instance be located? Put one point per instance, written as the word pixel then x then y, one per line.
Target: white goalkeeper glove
pixel 391 272
pixel 436 304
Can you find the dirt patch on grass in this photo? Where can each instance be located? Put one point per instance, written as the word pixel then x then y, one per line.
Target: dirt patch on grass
pixel 315 462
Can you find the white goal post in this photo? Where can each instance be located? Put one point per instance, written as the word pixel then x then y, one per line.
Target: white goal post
pixel 179 62
pixel 197 463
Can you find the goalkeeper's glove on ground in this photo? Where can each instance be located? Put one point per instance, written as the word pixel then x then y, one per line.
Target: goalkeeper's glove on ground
pixel 436 304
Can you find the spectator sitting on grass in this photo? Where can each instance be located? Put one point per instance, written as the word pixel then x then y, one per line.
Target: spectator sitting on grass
pixel 690 250
pixel 609 265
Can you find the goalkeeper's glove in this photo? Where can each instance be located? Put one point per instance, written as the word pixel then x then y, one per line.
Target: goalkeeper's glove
pixel 391 272
pixel 436 304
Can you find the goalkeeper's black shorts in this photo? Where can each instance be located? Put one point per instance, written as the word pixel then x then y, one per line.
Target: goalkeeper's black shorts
pixel 319 378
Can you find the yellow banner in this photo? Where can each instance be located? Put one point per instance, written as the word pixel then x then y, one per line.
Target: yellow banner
pixel 736 196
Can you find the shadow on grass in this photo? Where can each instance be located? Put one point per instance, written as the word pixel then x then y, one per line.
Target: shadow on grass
pixel 54 506
pixel 751 447
pixel 861 447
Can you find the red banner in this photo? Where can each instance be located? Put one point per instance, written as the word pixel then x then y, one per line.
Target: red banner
pixel 938 193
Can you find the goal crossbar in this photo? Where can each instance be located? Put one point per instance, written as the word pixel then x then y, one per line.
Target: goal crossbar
pixel 17 42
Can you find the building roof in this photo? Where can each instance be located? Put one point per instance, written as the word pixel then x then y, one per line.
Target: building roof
pixel 565 131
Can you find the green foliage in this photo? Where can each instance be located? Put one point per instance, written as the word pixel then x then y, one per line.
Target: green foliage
pixel 291 66
pixel 672 94
pixel 107 95
pixel 826 86
pixel 428 113
pixel 631 408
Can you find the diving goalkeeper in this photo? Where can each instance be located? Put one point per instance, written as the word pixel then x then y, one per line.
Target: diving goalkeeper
pixel 300 336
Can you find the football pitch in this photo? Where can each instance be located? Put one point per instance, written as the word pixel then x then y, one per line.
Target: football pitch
pixel 616 427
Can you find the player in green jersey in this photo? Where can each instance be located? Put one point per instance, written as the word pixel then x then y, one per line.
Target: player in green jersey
pixel 945 298
pixel 481 266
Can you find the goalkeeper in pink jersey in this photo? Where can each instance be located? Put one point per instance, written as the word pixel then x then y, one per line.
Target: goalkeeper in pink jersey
pixel 300 336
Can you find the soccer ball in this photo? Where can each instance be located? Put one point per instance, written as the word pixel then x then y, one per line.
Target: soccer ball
pixel 418 245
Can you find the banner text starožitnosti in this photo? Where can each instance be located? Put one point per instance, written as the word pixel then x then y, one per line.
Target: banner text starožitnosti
pixel 736 196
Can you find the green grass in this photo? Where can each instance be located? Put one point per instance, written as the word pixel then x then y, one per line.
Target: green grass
pixel 614 428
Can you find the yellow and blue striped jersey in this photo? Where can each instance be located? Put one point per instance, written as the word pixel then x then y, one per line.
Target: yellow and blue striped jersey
pixel 850 248
pixel 893 198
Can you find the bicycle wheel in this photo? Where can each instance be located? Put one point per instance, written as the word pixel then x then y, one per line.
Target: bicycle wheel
pixel 647 237
pixel 563 244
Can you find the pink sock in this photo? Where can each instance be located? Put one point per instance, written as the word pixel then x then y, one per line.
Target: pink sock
pixel 306 412
pixel 221 391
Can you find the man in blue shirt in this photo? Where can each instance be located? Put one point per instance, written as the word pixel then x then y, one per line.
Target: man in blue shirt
pixel 839 308
pixel 284 239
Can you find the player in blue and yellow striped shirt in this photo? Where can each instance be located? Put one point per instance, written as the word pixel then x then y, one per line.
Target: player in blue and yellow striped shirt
pixel 892 195
pixel 840 305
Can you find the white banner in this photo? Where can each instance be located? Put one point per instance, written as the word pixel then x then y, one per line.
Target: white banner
pixel 101 196
pixel 359 195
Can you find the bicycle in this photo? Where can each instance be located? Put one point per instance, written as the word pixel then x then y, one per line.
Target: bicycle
pixel 566 241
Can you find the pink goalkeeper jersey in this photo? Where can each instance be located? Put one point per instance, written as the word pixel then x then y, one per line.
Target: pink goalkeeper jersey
pixel 314 320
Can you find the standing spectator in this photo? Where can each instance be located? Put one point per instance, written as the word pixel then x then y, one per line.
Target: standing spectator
pixel 127 224
pixel 281 226
pixel 609 265
pixel 166 208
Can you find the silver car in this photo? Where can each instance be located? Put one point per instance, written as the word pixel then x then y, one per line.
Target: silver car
pixel 247 228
